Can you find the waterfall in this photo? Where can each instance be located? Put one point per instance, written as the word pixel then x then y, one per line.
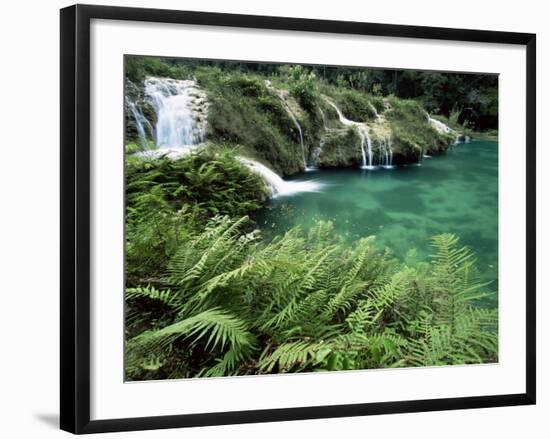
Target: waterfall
pixel 293 117
pixel 386 153
pixel 389 165
pixel 325 126
pixel 299 128
pixel 366 136
pixel 316 153
pixel 181 121
pixel 363 135
pixel 178 126
pixel 140 121
pixel 363 156
pixel 374 110
pixel 277 185
pixel 460 138
pixel 281 95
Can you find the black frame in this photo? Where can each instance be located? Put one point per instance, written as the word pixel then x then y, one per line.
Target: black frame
pixel 75 217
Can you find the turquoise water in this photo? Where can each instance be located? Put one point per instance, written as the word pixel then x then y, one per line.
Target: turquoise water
pixel 456 192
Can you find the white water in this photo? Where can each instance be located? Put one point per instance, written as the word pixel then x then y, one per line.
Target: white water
pixel 293 117
pixel 363 135
pixel 325 127
pixel 289 111
pixel 386 153
pixel 439 126
pixel 277 185
pixel 375 111
pixel 389 164
pixel 316 154
pixel 178 131
pixel 177 128
pixel 140 120
pixel 299 128
pixel 467 139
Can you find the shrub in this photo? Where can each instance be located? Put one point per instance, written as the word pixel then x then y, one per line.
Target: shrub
pixel 167 199
pixel 232 305
pixel 139 67
pixel 304 89
pixel 354 105
pixel 411 133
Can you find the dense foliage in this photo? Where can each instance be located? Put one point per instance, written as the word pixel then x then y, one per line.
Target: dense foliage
pixel 244 112
pixel 255 110
pixel 208 296
pixel 230 304
pixel 166 198
pixel 404 117
pixel 473 97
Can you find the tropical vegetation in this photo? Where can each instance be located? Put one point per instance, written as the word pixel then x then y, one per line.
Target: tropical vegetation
pixel 209 294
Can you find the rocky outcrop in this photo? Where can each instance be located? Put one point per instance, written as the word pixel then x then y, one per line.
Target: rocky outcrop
pixel 271 124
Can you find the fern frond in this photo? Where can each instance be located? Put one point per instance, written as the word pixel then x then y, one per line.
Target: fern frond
pixel 288 356
pixel 214 328
pixel 166 297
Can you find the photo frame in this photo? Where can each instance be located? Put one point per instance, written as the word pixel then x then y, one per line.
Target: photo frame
pixel 84 324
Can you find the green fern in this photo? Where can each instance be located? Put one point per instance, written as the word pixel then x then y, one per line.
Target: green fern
pixel 232 304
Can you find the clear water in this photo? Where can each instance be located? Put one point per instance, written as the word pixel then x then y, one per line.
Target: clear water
pixel 456 192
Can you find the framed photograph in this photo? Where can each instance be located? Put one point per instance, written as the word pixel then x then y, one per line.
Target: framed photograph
pixel 268 218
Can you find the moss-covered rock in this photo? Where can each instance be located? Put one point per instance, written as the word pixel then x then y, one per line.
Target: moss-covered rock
pixel 412 133
pixel 257 114
pixel 341 148
pixel 354 104
pixel 244 112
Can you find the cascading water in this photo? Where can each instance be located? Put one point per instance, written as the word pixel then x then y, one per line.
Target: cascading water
pixel 363 156
pixel 325 126
pixel 363 135
pixel 386 153
pixel 175 102
pixel 462 139
pixel 316 154
pixel 181 121
pixel 292 116
pixel 140 122
pixel 366 137
pixel 441 128
pixel 374 110
pixel 277 185
pixel 299 128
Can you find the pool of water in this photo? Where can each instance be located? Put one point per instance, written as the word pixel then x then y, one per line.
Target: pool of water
pixel 456 192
